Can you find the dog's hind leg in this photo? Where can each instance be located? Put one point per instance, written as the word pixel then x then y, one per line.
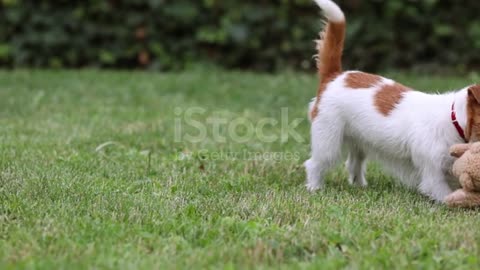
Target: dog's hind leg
pixel 356 166
pixel 326 144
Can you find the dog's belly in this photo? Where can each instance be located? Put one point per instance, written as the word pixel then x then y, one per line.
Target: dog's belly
pixel 396 163
pixel 380 142
pixel 402 170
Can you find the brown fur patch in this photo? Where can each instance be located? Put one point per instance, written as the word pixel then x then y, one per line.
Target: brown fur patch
pixel 359 80
pixel 472 133
pixel 388 97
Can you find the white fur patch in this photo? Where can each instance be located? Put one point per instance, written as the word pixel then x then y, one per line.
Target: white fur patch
pixel 331 10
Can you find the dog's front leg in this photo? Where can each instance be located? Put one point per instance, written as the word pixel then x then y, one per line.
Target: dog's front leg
pixel 434 184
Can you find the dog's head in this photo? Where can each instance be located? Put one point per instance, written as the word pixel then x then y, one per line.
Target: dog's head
pixel 473 114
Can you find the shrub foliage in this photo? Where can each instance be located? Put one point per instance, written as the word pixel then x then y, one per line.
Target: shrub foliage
pixel 261 34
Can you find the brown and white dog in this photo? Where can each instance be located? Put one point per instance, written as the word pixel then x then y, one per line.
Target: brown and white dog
pixel 407 131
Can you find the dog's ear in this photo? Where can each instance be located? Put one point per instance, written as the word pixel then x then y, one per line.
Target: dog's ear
pixel 458 150
pixel 474 92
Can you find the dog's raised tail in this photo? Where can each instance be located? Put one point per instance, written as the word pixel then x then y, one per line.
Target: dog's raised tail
pixel 330 44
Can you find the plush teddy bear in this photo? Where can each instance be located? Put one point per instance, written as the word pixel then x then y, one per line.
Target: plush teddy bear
pixel 467 169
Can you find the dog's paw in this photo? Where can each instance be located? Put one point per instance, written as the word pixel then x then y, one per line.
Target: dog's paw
pixel 312 187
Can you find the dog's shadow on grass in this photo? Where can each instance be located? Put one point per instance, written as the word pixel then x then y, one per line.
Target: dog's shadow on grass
pixel 337 180
pixel 380 186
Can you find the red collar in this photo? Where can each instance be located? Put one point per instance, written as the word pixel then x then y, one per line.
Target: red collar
pixel 456 124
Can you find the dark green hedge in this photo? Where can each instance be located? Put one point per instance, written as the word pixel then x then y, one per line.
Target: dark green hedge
pixel 261 34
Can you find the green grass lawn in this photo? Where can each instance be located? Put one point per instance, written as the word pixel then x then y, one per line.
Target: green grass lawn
pixel 92 175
